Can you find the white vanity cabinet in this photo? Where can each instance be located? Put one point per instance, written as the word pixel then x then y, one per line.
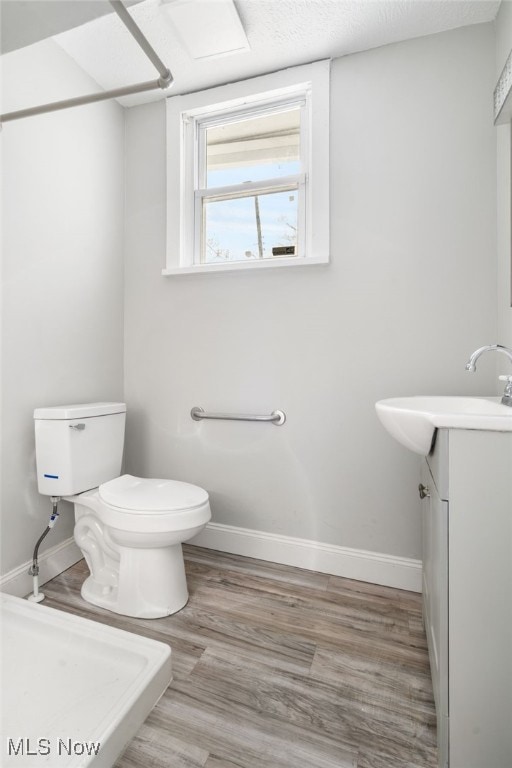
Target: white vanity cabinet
pixel 467 594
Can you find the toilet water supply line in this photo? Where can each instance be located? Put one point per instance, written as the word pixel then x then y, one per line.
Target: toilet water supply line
pixel 37 596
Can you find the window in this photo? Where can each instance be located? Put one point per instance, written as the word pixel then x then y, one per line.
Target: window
pixel 248 182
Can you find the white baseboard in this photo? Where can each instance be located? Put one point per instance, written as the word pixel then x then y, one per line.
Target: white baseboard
pixel 359 564
pixel 51 562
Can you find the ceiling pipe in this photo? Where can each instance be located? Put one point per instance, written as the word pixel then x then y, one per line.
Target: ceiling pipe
pixel 164 81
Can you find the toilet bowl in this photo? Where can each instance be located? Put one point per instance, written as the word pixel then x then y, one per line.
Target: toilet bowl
pixel 130 530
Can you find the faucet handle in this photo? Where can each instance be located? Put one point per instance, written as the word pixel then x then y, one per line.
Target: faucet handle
pixel 507 395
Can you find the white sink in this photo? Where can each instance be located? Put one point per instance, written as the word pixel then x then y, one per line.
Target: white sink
pixel 413 420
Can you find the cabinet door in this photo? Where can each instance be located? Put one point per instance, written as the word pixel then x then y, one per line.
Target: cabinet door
pixel 435 601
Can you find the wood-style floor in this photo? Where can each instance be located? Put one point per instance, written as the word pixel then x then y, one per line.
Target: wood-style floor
pixel 276 667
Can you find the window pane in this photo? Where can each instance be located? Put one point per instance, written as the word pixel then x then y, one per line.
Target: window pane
pixel 258 148
pixel 262 226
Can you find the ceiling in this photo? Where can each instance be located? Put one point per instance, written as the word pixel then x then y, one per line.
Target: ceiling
pixel 281 33
pixel 24 22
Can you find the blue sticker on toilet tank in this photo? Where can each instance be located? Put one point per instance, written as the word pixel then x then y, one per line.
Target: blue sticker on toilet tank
pixel 52 477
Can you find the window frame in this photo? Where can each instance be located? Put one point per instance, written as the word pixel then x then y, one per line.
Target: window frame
pixel 188 118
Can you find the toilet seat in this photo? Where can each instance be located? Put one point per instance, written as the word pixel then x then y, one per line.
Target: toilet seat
pixel 142 505
pixel 139 494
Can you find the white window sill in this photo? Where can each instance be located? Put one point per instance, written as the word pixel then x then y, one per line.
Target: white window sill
pixel 243 265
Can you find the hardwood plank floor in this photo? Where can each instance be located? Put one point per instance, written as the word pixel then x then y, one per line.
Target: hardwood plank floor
pixel 276 667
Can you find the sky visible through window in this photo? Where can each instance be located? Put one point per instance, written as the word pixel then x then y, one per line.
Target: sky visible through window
pixel 232 231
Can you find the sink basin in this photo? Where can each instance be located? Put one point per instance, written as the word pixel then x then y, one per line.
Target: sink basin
pixel 413 420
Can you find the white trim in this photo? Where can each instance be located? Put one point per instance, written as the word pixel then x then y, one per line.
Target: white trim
pixel 277 184
pixel 292 261
pixel 52 562
pixel 359 564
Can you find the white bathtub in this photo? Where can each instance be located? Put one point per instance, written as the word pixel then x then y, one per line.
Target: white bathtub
pixel 73 692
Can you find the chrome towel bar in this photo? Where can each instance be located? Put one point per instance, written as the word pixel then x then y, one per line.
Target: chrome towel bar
pixel 276 417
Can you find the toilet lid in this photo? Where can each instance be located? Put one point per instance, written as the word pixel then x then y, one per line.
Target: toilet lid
pixel 149 495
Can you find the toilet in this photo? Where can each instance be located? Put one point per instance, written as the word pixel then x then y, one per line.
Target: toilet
pixel 130 529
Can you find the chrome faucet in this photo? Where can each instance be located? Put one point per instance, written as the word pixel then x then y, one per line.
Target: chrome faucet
pixel 471 366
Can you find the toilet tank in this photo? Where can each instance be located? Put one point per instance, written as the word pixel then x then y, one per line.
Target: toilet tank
pixel 78 447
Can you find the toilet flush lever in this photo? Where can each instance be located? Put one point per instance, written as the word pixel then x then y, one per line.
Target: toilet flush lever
pixel 77 426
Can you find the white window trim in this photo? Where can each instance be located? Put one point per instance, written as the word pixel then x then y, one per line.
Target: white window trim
pixel 181 171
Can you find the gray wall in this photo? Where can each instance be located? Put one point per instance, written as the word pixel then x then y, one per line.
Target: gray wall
pixel 62 211
pixel 504 202
pixel 410 292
